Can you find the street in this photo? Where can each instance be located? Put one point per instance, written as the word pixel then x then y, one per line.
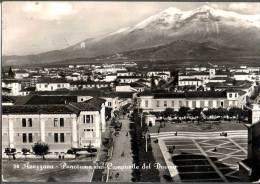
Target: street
pixel 122 154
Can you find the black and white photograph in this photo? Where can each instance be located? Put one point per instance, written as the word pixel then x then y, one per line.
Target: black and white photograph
pixel 130 91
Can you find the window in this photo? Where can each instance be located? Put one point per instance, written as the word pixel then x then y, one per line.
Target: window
pixel 165 103
pixel 62 137
pixel 210 103
pixel 88 130
pixel 55 122
pixel 202 104
pixel 172 103
pixel 56 137
pixel 30 137
pixel 157 103
pixel 193 104
pixel 235 94
pixel 180 103
pixel 24 138
pixel 46 85
pixel 24 122
pixel 30 122
pixel 230 95
pixel 61 122
pixel 146 103
pixel 109 104
pixel 58 85
pixel 88 119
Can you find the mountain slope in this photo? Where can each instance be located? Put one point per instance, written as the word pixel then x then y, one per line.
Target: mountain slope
pixel 205 24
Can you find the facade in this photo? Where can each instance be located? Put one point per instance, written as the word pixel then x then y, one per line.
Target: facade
pixel 13 85
pixel 190 82
pixel 206 99
pixel 52 85
pixel 128 79
pixel 60 126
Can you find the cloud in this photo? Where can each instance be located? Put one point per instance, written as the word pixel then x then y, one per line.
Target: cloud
pixel 49 10
pixel 247 8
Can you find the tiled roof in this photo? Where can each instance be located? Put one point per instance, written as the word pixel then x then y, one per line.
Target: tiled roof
pixel 6 99
pixel 190 80
pixel 41 100
pixel 129 77
pixel 93 104
pixel 28 89
pixel 52 80
pixel 188 94
pixel 37 109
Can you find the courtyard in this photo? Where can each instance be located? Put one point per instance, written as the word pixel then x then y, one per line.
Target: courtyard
pixel 206 159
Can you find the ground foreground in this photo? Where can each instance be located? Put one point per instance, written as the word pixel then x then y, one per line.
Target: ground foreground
pixel 205 159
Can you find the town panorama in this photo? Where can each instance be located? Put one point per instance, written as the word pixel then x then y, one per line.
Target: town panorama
pixel 130 92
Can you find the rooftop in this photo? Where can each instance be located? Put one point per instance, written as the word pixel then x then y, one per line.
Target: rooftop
pixel 37 109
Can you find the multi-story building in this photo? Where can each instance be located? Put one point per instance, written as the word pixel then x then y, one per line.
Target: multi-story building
pixel 149 101
pixel 60 126
pixel 13 85
pixel 49 84
pixel 190 82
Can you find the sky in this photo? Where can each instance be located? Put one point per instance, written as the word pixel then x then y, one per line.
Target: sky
pixel 35 27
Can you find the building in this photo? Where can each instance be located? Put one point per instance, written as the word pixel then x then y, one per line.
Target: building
pixel 190 82
pixel 153 101
pixel 250 167
pixel 49 84
pixel 20 74
pixel 13 85
pixel 128 79
pixel 60 126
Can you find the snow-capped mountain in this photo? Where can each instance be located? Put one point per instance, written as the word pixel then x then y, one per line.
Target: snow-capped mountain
pixel 205 24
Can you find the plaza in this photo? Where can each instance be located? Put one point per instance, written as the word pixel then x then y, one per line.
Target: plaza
pixel 206 157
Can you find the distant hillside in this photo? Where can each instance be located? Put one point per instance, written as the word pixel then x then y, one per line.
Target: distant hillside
pixel 197 34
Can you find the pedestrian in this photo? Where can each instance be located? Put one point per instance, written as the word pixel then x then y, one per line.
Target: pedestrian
pixel 117 175
pixel 62 157
pixel 173 147
pixel 176 133
pixel 59 157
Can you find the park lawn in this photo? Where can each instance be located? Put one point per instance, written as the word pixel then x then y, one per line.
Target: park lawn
pixel 54 172
pixel 194 127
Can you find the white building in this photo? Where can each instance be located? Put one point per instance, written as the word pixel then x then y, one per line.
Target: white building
pixel 60 126
pixel 14 86
pixel 52 85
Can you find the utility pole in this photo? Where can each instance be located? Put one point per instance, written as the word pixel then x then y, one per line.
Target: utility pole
pixel 146 141
pixel 141 119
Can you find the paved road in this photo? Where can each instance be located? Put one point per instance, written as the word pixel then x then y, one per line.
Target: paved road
pixel 122 145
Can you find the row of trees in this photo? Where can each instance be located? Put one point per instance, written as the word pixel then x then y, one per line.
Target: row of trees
pixel 39 149
pixel 184 112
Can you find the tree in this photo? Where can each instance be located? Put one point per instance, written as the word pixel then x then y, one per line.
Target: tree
pixel 196 113
pixel 10 152
pixel 234 111
pixel 153 85
pixel 183 111
pixel 168 112
pixel 11 74
pixel 41 149
pixel 25 152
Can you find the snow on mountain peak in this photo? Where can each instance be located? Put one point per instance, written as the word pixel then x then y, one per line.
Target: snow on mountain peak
pixel 172 16
pixel 171 11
